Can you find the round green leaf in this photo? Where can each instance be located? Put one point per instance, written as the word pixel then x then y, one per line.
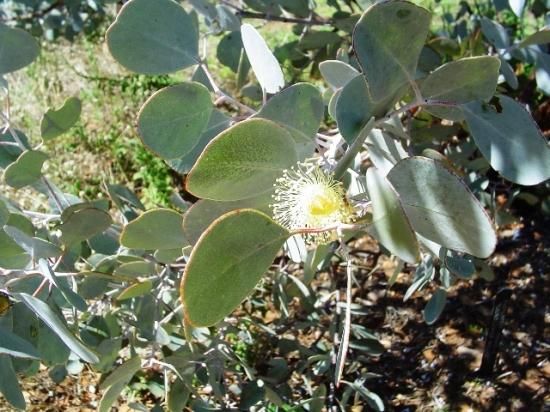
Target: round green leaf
pixel 56 122
pixel 82 222
pixel 441 208
pixel 178 396
pixel 117 381
pixel 18 49
pixel 227 20
pixel 461 81
pixel 37 248
pixel 313 40
pixel 26 170
pixel 153 37
pixel 229 50
pixel 227 262
pixel 495 33
pixel 510 140
pixel 167 255
pixel 300 109
pixel 388 40
pixel 172 120
pixel 299 8
pixel 12 256
pixel 155 229
pixel 461 266
pixel 391 225
pixel 218 123
pixel 123 373
pixel 464 80
pixel 137 268
pixel 242 162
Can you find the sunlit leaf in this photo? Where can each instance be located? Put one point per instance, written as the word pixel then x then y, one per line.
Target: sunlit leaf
pixel 441 208
pixel 242 162
pixel 19 49
pixel 153 37
pixel 172 120
pixel 26 170
pixel 56 122
pixel 263 62
pixel 155 229
pixel 227 262
pixel 299 109
pixel 388 40
pixel 510 140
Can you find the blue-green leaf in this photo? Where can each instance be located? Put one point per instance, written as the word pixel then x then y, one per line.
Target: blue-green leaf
pixel 154 37
pixel 48 316
pixel 435 306
pixel 441 208
pixel 388 40
pixel 510 140
pixel 19 49
pixel 172 120
pixel 9 386
pixel 13 345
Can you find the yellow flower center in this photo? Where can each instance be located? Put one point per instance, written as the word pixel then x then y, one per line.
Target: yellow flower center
pixel 321 202
pixel 306 197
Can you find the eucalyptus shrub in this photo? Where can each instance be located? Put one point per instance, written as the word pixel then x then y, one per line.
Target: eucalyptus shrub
pixel 55 18
pixel 156 288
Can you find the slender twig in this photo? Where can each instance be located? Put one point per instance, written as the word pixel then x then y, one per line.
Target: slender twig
pixel 344 342
pixel 352 151
pixel 14 144
pixel 224 96
pixel 171 314
pixel 53 195
pixel 411 106
pixel 246 14
pixel 339 226
pixel 38 13
pixel 40 287
pixel 39 215
pixel 16 138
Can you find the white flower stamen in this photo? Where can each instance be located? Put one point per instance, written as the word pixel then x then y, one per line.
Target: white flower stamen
pixel 306 197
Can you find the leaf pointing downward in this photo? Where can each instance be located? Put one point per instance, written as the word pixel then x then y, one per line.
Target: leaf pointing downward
pixel 227 262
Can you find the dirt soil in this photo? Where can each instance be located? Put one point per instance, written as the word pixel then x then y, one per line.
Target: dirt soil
pixel 434 367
